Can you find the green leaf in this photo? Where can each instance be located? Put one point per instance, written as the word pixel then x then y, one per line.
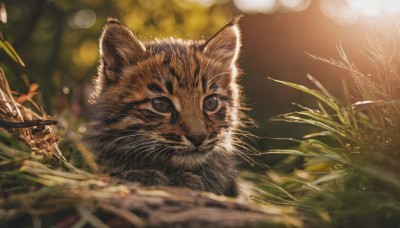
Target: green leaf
pixel 288 152
pixel 8 48
pixel 311 92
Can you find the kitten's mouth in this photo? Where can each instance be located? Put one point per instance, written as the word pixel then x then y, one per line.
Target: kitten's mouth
pixel 191 152
pixel 190 158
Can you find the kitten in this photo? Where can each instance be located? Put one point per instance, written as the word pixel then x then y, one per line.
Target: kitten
pixel 165 112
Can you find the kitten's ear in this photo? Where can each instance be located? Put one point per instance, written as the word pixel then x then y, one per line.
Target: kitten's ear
pixel 225 44
pixel 118 47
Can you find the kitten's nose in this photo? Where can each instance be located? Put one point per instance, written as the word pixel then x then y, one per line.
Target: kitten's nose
pixel 197 140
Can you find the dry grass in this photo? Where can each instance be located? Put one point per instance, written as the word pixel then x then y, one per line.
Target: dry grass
pixel 26 124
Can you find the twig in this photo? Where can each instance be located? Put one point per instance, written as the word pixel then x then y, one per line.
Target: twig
pixel 126 214
pixel 34 123
pixel 86 153
pixel 90 217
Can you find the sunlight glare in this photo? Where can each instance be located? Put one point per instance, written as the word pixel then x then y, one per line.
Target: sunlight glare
pixel 392 6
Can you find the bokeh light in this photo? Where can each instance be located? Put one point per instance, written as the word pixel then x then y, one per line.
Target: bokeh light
pixel 351 11
pixel 271 6
pixel 295 5
pixel 343 12
pixel 340 13
pixel 205 3
pixel 256 6
pixel 86 54
pixel 82 19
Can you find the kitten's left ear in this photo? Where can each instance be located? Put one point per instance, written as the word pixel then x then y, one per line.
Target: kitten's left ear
pixel 225 44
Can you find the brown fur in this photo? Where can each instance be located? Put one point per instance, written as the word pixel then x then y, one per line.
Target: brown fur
pixel 134 141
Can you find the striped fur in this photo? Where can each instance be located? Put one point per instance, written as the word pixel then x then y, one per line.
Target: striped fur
pixel 134 141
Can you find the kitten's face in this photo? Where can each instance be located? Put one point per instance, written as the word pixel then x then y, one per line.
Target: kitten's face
pixel 170 100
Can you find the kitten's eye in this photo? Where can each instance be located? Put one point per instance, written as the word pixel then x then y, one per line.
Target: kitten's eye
pixel 161 104
pixel 211 103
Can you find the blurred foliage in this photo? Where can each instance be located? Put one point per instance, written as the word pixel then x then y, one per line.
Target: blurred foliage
pixel 58 40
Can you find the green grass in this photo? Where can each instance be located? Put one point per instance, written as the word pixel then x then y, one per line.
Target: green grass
pixel 351 171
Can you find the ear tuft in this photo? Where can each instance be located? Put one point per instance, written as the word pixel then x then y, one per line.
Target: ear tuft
pixel 225 44
pixel 111 20
pixel 235 20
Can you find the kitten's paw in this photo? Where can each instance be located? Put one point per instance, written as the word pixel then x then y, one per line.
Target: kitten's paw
pixel 145 177
pixel 188 180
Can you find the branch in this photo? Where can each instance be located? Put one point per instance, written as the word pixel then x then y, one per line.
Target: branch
pixel 166 206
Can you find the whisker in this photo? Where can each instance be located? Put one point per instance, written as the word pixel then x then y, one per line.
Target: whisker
pixel 214 76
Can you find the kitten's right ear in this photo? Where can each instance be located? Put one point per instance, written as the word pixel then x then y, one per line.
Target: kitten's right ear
pixel 119 47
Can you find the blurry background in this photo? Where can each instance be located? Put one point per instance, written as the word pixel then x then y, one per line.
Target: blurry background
pixel 58 41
